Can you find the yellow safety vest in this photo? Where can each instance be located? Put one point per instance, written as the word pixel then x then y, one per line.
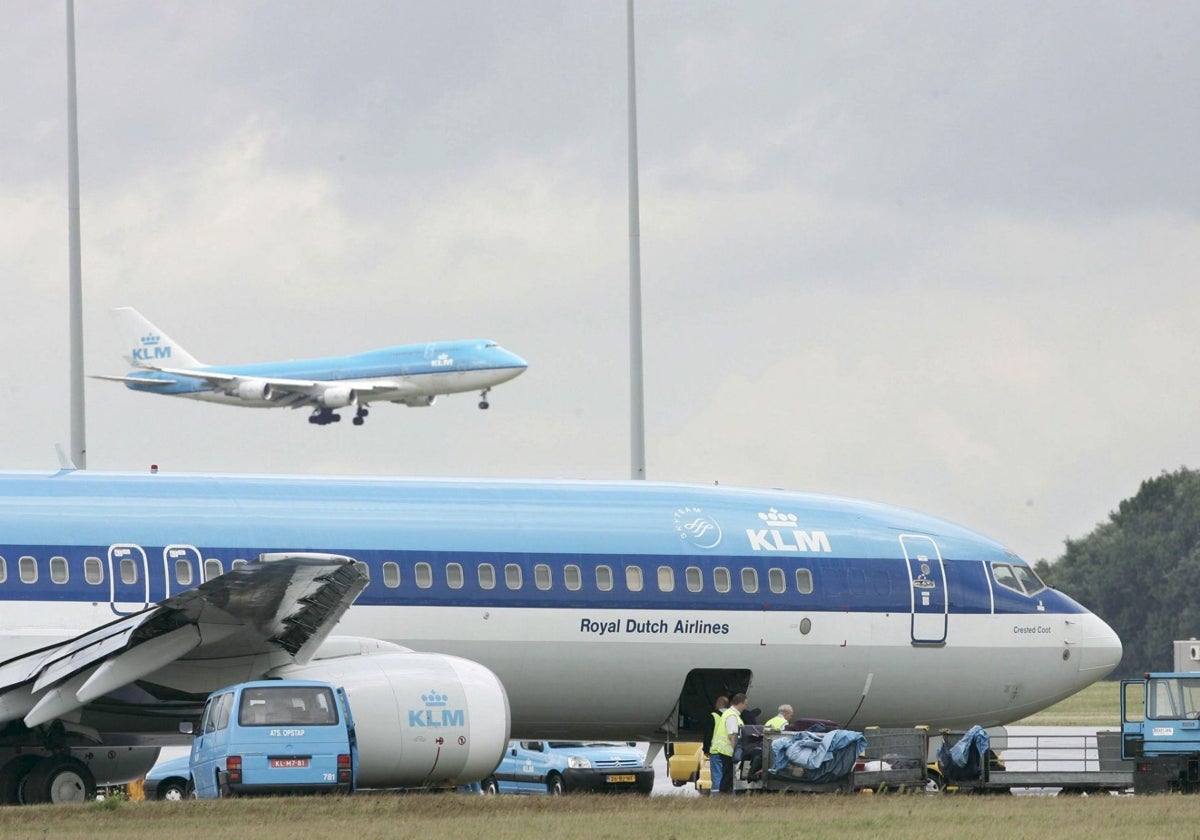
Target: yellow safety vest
pixel 777 722
pixel 721 745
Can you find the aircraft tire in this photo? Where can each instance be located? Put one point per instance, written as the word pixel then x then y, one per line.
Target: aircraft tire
pixel 484 404
pixel 12 779
pixel 60 779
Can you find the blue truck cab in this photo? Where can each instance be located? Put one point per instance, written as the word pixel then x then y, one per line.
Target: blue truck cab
pixel 274 737
pixel 557 767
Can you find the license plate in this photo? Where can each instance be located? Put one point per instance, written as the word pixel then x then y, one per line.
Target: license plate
pixel 614 780
pixel 289 762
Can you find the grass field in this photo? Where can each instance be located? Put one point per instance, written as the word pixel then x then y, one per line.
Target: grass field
pixel 1097 705
pixel 464 816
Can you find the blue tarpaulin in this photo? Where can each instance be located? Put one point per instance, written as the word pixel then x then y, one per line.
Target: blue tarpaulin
pixel 964 760
pixel 824 756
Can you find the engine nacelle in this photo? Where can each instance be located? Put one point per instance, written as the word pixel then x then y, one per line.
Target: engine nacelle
pixel 420 402
pixel 421 718
pixel 337 397
pixel 253 389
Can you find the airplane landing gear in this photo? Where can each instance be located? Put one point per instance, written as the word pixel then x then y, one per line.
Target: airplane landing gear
pixel 483 401
pixel 323 417
pixel 360 415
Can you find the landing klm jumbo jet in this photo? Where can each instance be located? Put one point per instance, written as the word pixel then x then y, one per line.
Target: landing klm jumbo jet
pixel 412 374
pixel 457 613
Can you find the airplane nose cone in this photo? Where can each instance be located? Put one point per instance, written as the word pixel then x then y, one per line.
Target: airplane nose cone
pixel 1100 648
pixel 515 361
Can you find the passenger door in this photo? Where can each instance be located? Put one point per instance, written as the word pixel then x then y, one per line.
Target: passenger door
pixel 927 577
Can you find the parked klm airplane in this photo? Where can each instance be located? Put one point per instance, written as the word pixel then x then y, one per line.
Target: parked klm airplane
pixel 471 611
pixel 412 374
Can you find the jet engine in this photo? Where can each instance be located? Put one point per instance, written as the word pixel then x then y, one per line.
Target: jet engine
pixel 420 402
pixel 337 397
pixel 421 718
pixel 253 389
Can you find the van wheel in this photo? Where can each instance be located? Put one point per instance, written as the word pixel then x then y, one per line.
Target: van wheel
pixel 189 790
pixel 554 785
pixel 490 787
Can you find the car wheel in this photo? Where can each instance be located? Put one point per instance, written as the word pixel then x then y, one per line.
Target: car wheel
pixel 934 783
pixel 172 790
pixel 490 787
pixel 554 785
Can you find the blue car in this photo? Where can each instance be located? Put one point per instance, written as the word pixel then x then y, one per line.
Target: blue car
pixel 558 767
pixel 169 780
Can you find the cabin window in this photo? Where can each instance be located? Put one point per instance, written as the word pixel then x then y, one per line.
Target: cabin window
pixel 93 570
pixel 604 578
pixel 29 571
pixel 487 576
pixel 3 570
pixel 572 577
pixel 749 580
pixel 423 575
pixel 237 564
pixel 542 578
pixel 804 582
pixel 721 580
pixel 666 579
pixel 695 578
pixel 58 570
pixel 391 574
pixel 633 578
pixel 776 580
pixel 512 576
pixel 183 572
pixel 454 575
pixel 213 568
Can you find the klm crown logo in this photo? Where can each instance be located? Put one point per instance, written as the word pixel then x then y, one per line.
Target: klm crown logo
pixel 151 350
pixel 781 534
pixel 436 715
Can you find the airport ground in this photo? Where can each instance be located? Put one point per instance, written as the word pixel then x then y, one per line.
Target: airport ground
pixel 464 817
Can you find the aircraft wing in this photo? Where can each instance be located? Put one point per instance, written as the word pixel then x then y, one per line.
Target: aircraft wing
pixel 298 392
pixel 266 614
pixel 139 380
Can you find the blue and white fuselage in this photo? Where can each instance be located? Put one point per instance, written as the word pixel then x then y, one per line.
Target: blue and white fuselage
pixel 606 609
pixel 412 374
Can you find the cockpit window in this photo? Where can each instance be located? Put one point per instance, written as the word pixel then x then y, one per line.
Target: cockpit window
pixel 1017 578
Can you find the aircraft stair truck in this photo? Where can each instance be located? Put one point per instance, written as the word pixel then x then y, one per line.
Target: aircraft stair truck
pixel 1160 731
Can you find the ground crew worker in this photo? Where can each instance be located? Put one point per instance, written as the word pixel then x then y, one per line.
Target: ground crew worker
pixel 724 737
pixel 780 720
pixel 714 768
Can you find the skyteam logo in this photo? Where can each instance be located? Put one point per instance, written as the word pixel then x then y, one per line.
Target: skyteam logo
pixel 435 713
pixel 443 360
pixel 695 527
pixel 150 349
pixel 781 534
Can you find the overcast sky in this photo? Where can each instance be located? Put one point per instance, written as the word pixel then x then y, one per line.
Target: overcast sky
pixel 942 255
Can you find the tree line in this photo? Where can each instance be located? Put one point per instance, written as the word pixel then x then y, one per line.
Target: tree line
pixel 1139 571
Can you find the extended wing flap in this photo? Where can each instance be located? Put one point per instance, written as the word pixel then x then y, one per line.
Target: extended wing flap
pixel 284 606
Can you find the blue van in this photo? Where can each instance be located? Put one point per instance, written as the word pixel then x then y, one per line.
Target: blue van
pixel 275 737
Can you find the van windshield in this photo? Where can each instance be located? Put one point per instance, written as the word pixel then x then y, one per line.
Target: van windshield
pixel 295 705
